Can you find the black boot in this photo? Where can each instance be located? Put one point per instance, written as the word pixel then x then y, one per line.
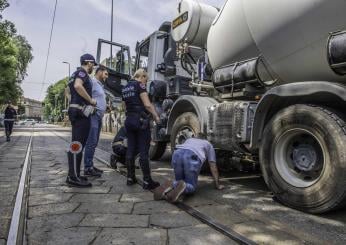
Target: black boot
pixel 73 178
pixel 131 172
pixel 113 161
pixel 79 162
pixel 148 182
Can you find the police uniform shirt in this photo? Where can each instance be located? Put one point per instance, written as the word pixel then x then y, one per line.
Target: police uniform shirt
pixel 87 84
pixel 131 96
pixel 10 114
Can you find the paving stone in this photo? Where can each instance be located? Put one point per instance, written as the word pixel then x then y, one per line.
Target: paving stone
pixel 93 190
pixel 13 179
pixel 46 177
pixel 123 188
pixel 44 172
pixel 49 198
pixel 6 212
pixel 115 220
pixel 6 200
pixel 153 207
pixel 47 183
pixel 265 233
pixel 45 190
pixel 56 208
pixel 198 200
pixel 223 214
pixel 172 220
pixel 11 191
pixel 197 235
pixel 7 185
pixel 4 227
pixel 99 198
pixel 105 208
pixel 53 222
pixel 75 236
pixel 137 197
pixel 10 173
pixel 121 236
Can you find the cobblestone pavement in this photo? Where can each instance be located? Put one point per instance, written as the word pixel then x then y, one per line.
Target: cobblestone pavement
pixel 12 156
pixel 246 206
pixel 108 213
pixel 112 213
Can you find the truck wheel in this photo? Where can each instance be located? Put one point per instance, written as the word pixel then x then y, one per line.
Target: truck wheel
pixel 303 158
pixel 184 127
pixel 156 150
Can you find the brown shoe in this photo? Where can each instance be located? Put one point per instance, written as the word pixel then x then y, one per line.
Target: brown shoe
pixel 162 190
pixel 174 195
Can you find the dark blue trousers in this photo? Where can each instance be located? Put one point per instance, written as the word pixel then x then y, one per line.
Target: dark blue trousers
pixel 8 127
pixel 80 132
pixel 138 141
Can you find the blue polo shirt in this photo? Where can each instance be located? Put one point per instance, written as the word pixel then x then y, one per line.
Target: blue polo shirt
pixel 99 95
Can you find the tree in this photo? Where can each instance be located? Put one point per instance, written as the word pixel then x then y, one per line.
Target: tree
pixel 15 56
pixel 54 101
pixel 24 56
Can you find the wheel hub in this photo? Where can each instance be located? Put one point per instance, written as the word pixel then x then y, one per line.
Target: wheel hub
pixel 183 135
pixel 299 157
pixel 304 157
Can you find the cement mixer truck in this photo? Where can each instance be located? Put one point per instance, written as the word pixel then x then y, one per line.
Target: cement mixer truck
pixel 265 81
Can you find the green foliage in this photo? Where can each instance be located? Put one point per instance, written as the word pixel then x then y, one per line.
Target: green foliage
pixel 54 101
pixel 3 4
pixel 15 56
pixel 24 56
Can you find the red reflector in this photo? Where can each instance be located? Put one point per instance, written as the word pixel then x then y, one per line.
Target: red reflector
pixel 75 147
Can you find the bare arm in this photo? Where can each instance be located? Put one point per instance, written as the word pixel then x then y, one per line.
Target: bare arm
pixel 215 174
pixel 78 85
pixel 149 106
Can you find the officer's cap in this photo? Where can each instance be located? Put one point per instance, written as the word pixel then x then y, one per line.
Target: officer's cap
pixel 87 58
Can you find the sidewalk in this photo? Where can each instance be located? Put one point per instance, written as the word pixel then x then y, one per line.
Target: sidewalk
pixel 108 213
pixel 12 156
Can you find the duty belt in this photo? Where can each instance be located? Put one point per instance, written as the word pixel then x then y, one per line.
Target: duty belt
pixel 76 106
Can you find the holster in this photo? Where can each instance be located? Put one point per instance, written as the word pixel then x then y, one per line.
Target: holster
pixel 88 110
pixel 144 120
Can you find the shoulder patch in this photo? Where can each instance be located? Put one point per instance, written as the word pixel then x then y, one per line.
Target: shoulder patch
pixel 81 74
pixel 143 86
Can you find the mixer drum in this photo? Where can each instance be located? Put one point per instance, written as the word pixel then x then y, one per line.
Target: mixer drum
pixel 291 36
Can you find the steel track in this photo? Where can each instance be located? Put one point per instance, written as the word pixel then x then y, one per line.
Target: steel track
pixel 16 233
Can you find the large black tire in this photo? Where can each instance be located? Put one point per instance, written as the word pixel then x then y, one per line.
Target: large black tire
pixel 156 150
pixel 184 127
pixel 303 158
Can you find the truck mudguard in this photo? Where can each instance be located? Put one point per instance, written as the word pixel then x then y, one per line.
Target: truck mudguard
pixel 188 103
pixel 323 93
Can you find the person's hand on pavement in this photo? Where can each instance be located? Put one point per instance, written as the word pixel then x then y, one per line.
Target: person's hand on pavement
pixel 220 187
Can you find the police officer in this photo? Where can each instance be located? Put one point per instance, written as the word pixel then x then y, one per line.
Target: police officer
pixel 80 87
pixel 10 115
pixel 137 125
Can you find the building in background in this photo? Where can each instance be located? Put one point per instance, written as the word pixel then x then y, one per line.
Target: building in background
pixel 32 108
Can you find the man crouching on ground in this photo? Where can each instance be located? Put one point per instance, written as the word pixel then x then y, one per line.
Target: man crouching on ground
pixel 187 161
